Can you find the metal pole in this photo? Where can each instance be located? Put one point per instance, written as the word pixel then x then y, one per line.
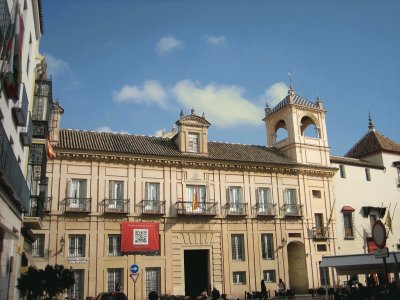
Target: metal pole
pixel 386 276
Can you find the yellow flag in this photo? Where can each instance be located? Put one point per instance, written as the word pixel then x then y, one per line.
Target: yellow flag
pixel 388 221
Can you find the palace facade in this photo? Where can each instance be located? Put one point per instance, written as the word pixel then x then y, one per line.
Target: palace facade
pixel 229 215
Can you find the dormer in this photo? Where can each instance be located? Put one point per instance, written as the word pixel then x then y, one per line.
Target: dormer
pixel 192 133
pixel 297 127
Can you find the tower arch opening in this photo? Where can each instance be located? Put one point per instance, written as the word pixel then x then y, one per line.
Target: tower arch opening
pixel 308 128
pixel 280 132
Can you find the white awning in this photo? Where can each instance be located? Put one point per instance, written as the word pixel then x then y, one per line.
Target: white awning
pixel 361 263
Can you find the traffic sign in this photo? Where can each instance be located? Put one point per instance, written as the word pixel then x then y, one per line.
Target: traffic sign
pixel 381 253
pixel 134 277
pixel 379 234
pixel 134 268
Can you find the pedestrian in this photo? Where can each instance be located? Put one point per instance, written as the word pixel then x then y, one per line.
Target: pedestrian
pixel 153 295
pixel 215 294
pixel 118 287
pixel 281 287
pixel 263 290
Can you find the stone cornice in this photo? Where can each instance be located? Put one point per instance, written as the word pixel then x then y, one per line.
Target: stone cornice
pixel 195 163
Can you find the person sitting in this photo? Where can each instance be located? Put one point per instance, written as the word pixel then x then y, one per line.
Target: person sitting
pixel 215 293
pixel 281 287
pixel 204 293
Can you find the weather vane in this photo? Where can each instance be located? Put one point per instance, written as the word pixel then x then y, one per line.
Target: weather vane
pixel 290 77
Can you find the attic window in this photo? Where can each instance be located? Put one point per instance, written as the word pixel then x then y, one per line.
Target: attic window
pixel 193 142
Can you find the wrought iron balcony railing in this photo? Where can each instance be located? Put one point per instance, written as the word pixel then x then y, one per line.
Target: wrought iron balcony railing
pixel 320 232
pixel 235 209
pixel 35 207
pixel 116 206
pixel 47 204
pixel 40 129
pixel 349 233
pixel 151 207
pixel 265 209
pixel 292 210
pixel 202 209
pixel 78 205
pixel 11 173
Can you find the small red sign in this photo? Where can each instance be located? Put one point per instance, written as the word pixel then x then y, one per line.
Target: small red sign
pixel 139 237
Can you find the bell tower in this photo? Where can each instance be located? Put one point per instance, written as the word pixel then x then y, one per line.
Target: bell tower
pixel 297 127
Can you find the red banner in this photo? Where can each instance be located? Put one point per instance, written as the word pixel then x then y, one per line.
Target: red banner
pixel 140 237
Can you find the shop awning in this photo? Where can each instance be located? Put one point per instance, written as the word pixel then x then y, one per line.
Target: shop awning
pixel 361 263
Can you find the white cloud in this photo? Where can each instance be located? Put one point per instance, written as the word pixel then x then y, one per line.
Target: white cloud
pixel 216 40
pixel 167 44
pixel 158 133
pixel 151 92
pixel 108 129
pixel 224 105
pixel 275 93
pixel 55 66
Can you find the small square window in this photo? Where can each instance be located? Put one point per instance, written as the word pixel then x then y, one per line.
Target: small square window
pixel 239 277
pixel 316 194
pixel 269 275
pixel 322 248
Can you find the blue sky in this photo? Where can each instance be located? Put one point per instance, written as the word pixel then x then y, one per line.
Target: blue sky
pixel 131 66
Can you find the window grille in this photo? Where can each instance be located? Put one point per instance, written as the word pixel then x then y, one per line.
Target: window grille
pixel 269 275
pixel 348 224
pixel 193 142
pixel 77 246
pixel 153 280
pixel 76 291
pixel 237 247
pixel 114 245
pixel 239 277
pixel 114 276
pixel 267 243
pixel 38 246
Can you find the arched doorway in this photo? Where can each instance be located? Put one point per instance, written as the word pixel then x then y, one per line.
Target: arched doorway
pixel 298 276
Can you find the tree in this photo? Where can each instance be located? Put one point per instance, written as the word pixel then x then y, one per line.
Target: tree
pixel 47 283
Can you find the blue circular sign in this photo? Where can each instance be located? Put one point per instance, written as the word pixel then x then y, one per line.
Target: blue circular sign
pixel 134 268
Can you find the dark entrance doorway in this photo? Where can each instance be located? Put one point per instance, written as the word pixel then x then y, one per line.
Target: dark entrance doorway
pixel 196 272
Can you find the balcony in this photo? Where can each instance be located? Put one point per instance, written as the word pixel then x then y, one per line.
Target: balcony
pixel 320 233
pixel 235 209
pixel 115 206
pixel 203 209
pixel 77 205
pixel 26 136
pixel 11 175
pixel 20 110
pixel 47 204
pixel 292 210
pixel 40 129
pixel 151 207
pixel 36 207
pixel 264 209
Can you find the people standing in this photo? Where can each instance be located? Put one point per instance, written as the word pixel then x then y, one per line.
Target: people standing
pixel 263 290
pixel 215 294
